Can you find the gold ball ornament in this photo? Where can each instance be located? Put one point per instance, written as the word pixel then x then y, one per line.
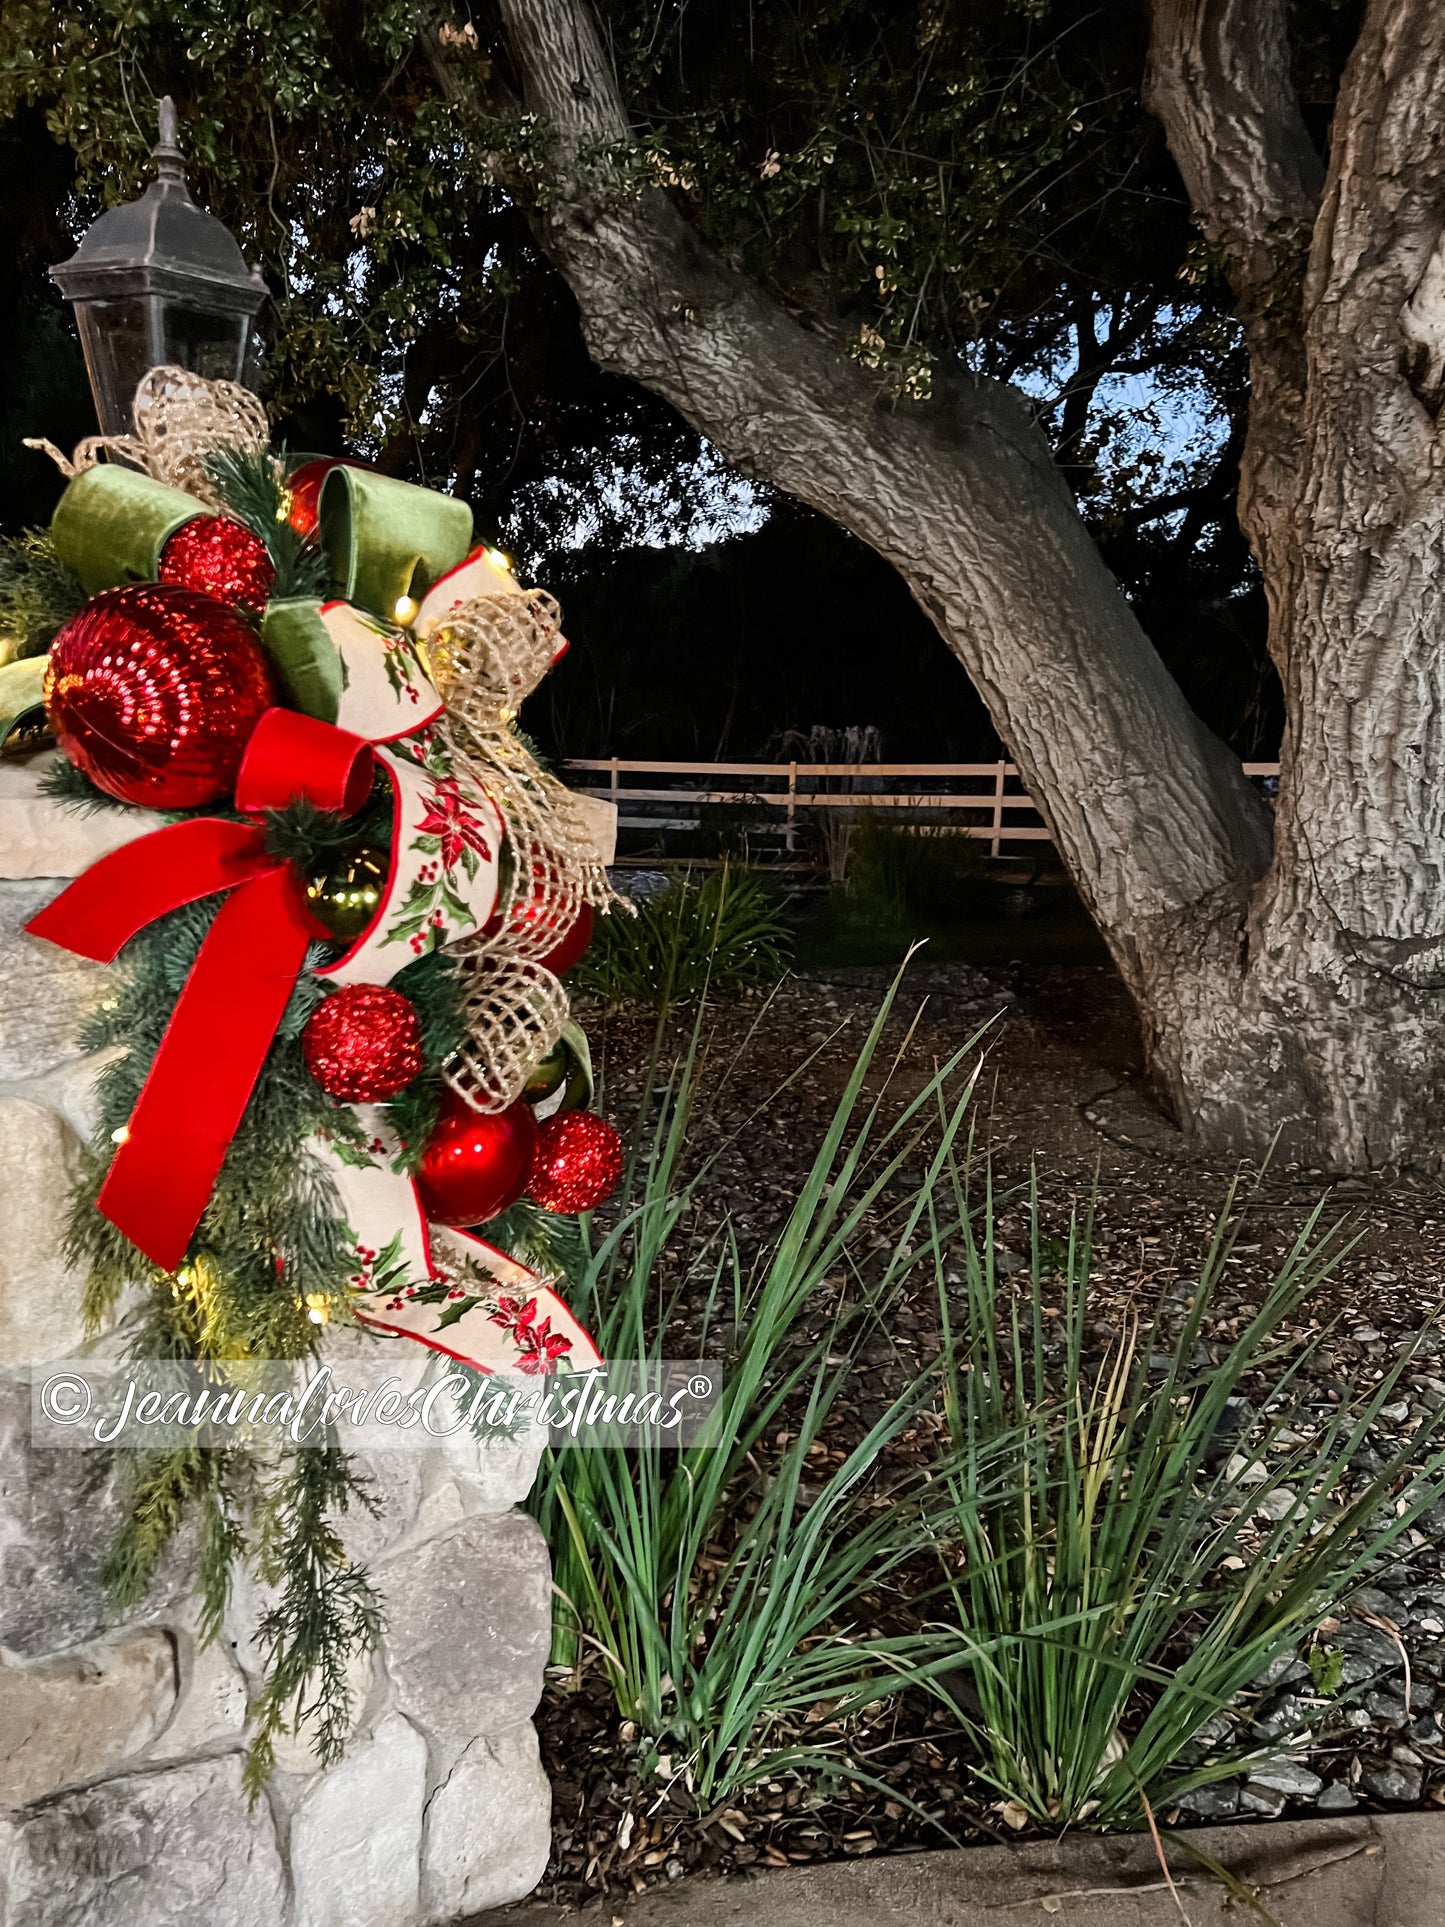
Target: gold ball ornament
pixel 345 894
pixel 559 1082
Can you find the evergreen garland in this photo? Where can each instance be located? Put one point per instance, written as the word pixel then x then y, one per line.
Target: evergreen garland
pixel 272 1259
pixel 38 594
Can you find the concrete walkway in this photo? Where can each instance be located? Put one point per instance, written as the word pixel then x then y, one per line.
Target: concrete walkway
pixel 1357 1871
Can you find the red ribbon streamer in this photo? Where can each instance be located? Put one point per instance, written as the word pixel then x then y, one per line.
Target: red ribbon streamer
pixel 193 1099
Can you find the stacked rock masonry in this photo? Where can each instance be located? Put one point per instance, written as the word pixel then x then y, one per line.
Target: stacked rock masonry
pixel 121 1743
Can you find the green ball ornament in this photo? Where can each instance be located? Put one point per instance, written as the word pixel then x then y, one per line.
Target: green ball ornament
pixel 558 1083
pixel 344 895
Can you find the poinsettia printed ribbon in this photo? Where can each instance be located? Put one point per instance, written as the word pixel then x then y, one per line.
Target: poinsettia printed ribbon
pixel 447 1289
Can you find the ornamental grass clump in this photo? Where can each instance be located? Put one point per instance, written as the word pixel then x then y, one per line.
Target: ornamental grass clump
pixel 1174 1558
pixel 722 1586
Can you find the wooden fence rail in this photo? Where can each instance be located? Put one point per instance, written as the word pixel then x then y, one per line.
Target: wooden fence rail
pixel 798 788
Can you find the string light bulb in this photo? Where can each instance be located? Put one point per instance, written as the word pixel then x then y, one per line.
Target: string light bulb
pixel 405 611
pixel 318 1307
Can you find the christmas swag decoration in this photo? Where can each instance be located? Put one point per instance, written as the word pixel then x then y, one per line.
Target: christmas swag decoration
pixel 343 1042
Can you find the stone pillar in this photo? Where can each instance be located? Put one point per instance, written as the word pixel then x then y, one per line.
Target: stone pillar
pixel 121 1742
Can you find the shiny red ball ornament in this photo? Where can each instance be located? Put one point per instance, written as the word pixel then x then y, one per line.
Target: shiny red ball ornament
pixel 577 1163
pixel 475 1162
pixel 363 1043
pixel 304 488
pixel 153 691
pixel 220 558
pixel 570 949
pixel 527 913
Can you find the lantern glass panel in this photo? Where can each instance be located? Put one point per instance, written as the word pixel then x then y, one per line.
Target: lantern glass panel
pixel 117 346
pixel 208 343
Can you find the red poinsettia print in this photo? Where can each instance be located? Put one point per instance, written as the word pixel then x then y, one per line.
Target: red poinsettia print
pixel 538 1346
pixel 452 823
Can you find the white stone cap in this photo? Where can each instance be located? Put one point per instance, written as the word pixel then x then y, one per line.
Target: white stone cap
pixel 41 838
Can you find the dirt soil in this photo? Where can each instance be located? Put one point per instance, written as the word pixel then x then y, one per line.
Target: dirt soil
pixel 1062 1092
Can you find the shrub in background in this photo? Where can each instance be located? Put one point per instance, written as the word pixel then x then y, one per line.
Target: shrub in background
pixel 722 933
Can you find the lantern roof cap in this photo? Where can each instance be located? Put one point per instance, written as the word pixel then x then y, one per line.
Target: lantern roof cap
pixel 162 244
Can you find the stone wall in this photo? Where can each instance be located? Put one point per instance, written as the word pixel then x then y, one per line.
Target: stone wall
pixel 121 1741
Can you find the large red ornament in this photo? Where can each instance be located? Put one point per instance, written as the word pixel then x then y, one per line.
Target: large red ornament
pixel 304 488
pixel 220 558
pixel 528 914
pixel 475 1162
pixel 570 949
pixel 363 1043
pixel 154 691
pixel 577 1163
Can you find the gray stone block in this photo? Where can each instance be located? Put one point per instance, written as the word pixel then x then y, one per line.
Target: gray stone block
pixel 469 1626
pixel 47 990
pixel 40 1299
pixel 356 1835
pixel 488 1828
pixel 176 1848
pixel 71 1719
pixel 58 1520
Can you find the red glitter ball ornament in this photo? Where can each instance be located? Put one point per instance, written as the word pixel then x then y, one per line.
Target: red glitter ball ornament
pixel 363 1043
pixel 153 691
pixel 475 1162
pixel 304 487
pixel 578 1162
pixel 220 558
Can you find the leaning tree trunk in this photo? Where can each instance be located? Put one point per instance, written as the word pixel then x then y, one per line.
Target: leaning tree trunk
pixel 1287 993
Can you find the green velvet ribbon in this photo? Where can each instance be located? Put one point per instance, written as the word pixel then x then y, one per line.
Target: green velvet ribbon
pixel 112 523
pixel 387 539
pixel 304 656
pixel 384 540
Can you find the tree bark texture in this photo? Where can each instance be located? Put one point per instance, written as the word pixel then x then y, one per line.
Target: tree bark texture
pixel 1290 987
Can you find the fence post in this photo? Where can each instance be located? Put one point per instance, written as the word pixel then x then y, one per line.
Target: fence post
pixel 788 841
pixel 998 781
pixel 615 796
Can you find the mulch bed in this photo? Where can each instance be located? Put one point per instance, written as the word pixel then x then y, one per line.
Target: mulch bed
pixel 1061 1091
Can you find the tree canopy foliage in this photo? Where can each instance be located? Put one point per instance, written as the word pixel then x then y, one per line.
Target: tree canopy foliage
pixel 948 188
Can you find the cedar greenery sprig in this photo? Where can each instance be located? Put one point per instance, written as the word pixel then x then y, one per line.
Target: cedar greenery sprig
pixel 325 1610
pixel 38 594
pixel 251 489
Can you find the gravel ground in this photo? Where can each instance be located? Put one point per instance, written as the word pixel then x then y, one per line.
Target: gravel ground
pixel 1061 1090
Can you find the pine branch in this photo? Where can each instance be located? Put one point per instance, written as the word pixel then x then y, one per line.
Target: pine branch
pixel 70 786
pixel 252 490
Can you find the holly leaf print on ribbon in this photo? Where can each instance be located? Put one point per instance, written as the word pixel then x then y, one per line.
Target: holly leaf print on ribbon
pixel 455 842
pixel 403 671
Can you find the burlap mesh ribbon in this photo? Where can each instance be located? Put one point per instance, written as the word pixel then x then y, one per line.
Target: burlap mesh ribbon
pixel 180 419
pixel 487 655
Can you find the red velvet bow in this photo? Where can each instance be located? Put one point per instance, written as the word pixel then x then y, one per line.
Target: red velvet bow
pixel 221 1029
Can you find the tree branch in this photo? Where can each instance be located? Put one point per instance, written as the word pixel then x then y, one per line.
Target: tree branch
pixel 1218 78
pixel 961 494
pixel 1376 288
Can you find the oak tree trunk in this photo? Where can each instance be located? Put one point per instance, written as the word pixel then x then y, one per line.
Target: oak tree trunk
pixel 1288 976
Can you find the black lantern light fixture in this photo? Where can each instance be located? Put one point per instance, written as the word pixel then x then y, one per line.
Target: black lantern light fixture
pixel 159 282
